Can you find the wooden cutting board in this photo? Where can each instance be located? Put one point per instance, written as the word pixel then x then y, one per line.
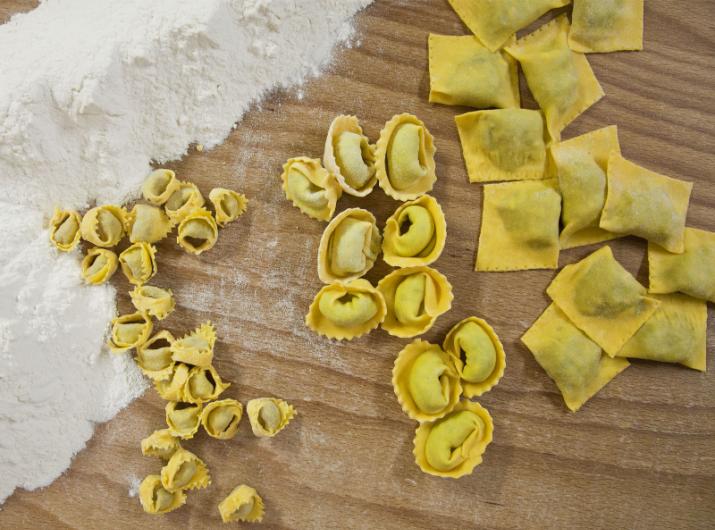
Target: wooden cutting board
pixel 638 455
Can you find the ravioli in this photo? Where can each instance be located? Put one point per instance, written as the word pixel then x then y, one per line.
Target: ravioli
pixel 159 185
pixel 184 200
pixel 64 229
pixel 581 164
pixel 129 331
pixel 606 25
pixel 147 223
pixel 482 360
pixel 576 364
pixel 346 310
pixel 602 299
pixel 155 499
pixel 196 348
pixel 520 226
pixel 154 356
pixel 690 272
pixel 463 72
pixel 426 381
pixel 242 504
pixel 138 262
pixel 228 205
pixel 220 419
pixel 453 446
pixel 349 156
pixel 104 226
pixel 349 246
pixel 560 79
pixel 310 187
pixel 161 444
pixel 99 265
pixel 183 419
pixel 203 384
pixel 415 234
pixel 646 204
pixel 404 155
pixel 414 298
pixel 503 144
pixel 197 232
pixel 269 416
pixel 173 387
pixel 184 471
pixel 156 301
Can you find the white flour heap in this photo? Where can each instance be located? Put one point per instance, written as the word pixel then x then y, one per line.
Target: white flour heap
pixel 90 92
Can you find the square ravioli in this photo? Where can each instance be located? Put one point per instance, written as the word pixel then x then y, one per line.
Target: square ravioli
pixel 602 299
pixel 643 203
pixel 560 79
pixel 690 272
pixel 600 26
pixel 575 363
pixel 503 144
pixel 676 333
pixel 463 72
pixel 581 165
pixel 520 226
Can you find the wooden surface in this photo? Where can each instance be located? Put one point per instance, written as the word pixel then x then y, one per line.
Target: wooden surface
pixel 639 455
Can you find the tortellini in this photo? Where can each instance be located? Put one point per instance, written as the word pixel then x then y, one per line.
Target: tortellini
pixel 520 226
pixel 220 419
pixel 155 499
pixel 414 298
pixel 606 25
pixel 173 387
pixel 161 444
pixel 154 356
pixel 196 348
pixel 197 232
pixel 415 234
pixel 242 504
pixel 481 355
pixel 147 223
pixel 503 144
pixel 404 154
pixel 130 331
pixel 310 187
pixel 99 265
pixel 646 204
pixel 184 471
pixel 349 156
pixel 183 419
pixel 269 416
pixel 229 205
pixel 602 299
pixel 426 381
pixel 64 229
pixel 104 226
pixel 346 311
pixel 156 301
pixel 203 384
pixel 575 363
pixel 159 186
pixel 453 446
pixel 138 262
pixel 349 246
pixel 561 80
pixel 183 201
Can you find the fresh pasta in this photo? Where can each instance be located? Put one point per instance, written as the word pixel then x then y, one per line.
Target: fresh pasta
pixel 156 301
pixel 184 200
pixel 99 265
pixel 269 416
pixel 349 156
pixel 310 187
pixel 146 222
pixel 184 471
pixel 138 262
pixel 197 232
pixel 228 205
pixel 65 229
pixel 600 26
pixel 161 444
pixel 155 499
pixel 415 234
pixel 183 419
pixel 159 185
pixel 154 356
pixel 242 504
pixel 197 347
pixel 203 384
pixel 130 331
pixel 220 419
pixel 104 226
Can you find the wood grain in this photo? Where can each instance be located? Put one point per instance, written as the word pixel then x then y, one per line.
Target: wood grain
pixel 639 455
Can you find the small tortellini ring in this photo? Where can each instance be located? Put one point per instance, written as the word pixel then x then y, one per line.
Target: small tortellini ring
pixel 415 234
pixel 203 384
pixel 310 187
pixel 154 356
pixel 172 388
pixel 242 504
pixel 183 419
pixel 159 185
pixel 349 156
pixel 138 262
pixel 161 444
pixel 155 499
pixel 104 226
pixel 269 416
pixel 147 223
pixel 183 201
pixel 196 348
pixel 220 419
pixel 228 205
pixel 99 265
pixel 197 232
pixel 64 229
pixel 156 301
pixel 130 331
pixel 184 471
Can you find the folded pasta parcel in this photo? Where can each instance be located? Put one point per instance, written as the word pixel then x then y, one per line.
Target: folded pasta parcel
pixel 349 156
pixel 242 504
pixel 155 499
pixel 606 26
pixel 65 229
pixel 310 187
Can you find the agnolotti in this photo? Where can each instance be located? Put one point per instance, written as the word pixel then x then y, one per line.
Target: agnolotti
pixel 560 79
pixel 173 387
pixel 242 504
pixel 480 352
pixel 453 446
pixel 161 444
pixel 346 310
pixel 104 225
pixel 159 185
pixel 147 223
pixel 503 144
pixel 404 155
pixel 154 356
pixel 349 246
pixel 197 347
pixel 183 419
pixel 228 205
pixel 138 262
pixel 130 331
pixel 349 156
pixel 414 297
pixel 600 26
pixel 184 471
pixel 269 416
pixel 183 201
pixel 310 187
pixel 203 384
pixel 155 499
pixel 64 229
pixel 99 265
pixel 220 419
pixel 415 234
pixel 426 381
pixel 197 232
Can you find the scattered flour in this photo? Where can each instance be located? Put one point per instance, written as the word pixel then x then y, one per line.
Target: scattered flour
pixel 91 92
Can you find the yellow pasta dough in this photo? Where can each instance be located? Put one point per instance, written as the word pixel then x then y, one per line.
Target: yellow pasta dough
pixel 453 446
pixel 269 416
pixel 155 499
pixel 606 25
pixel 602 299
pixel 130 331
pixel 183 419
pixel 173 387
pixel 415 234
pixel 463 72
pixel 643 203
pixel 220 419
pixel 404 155
pixel 184 471
pixel 99 265
pixel 690 272
pixel 349 246
pixel 520 226
pixel 160 443
pixel 310 187
pixel 196 348
pixel 561 80
pixel 154 356
pixel 183 201
pixel 147 223
pixel 197 232
pixel 242 504
pixel 349 156
pixel 676 333
pixel 159 185
pixel 64 229
pixel 156 301
pixel 581 164
pixel 426 381
pixel 203 384
pixel 503 144
pixel 138 262
pixel 228 205
pixel 480 352
pixel 414 297
pixel 104 226
pixel 346 310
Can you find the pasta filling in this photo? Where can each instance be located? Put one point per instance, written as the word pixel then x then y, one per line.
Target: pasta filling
pixel 270 416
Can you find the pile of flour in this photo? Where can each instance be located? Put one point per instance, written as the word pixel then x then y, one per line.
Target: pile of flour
pixel 90 93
